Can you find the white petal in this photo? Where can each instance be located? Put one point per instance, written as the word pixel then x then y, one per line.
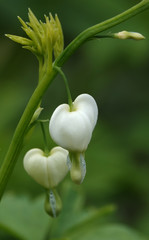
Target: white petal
pixel 57 165
pixel 69 164
pixel 35 165
pixel 87 104
pixel 71 130
pixel 47 171
pixel 83 167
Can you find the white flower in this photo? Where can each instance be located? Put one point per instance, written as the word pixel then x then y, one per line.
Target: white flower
pixel 48 171
pixel 72 130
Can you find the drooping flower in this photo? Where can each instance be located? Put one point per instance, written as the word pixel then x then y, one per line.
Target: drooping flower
pixel 49 170
pixel 72 127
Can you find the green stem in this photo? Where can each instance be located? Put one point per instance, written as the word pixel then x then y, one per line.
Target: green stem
pixel 66 85
pixel 92 31
pixel 46 149
pixel 17 140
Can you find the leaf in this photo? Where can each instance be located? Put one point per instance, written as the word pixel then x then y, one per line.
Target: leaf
pixel 60 239
pixel 74 216
pixel 23 217
pixel 107 232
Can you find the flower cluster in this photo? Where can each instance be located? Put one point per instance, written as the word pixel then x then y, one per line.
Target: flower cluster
pixel 71 128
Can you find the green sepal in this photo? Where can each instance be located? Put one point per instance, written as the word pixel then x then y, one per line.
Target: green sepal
pixel 78 167
pixel 18 39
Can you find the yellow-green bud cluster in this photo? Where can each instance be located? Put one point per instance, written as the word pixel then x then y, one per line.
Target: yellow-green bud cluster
pixel 44 39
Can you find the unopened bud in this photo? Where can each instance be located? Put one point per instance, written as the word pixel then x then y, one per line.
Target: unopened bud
pixel 36 114
pixel 53 203
pixel 129 35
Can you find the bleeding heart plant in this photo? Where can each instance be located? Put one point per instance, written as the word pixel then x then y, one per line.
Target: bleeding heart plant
pixel 71 127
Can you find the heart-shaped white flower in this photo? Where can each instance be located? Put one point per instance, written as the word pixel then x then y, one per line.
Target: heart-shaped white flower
pixel 72 130
pixel 48 171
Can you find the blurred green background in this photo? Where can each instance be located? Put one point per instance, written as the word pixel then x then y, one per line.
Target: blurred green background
pixel 115 73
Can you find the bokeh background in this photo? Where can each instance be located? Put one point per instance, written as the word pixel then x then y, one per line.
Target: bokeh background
pixel 115 73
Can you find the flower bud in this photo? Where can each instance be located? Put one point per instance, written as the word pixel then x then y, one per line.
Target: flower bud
pixel 72 130
pixel 129 35
pixel 53 203
pixel 36 114
pixel 45 40
pixel 49 170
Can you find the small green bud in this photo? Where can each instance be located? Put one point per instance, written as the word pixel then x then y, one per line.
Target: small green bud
pixel 129 35
pixel 53 203
pixel 33 122
pixel 36 114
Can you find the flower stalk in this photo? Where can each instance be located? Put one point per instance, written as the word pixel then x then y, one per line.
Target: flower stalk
pixel 47 74
pixel 46 149
pixel 66 85
pixel 96 29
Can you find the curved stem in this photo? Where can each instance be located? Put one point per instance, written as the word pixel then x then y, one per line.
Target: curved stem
pixel 66 85
pixel 46 150
pixel 17 140
pixel 47 77
pixel 92 31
